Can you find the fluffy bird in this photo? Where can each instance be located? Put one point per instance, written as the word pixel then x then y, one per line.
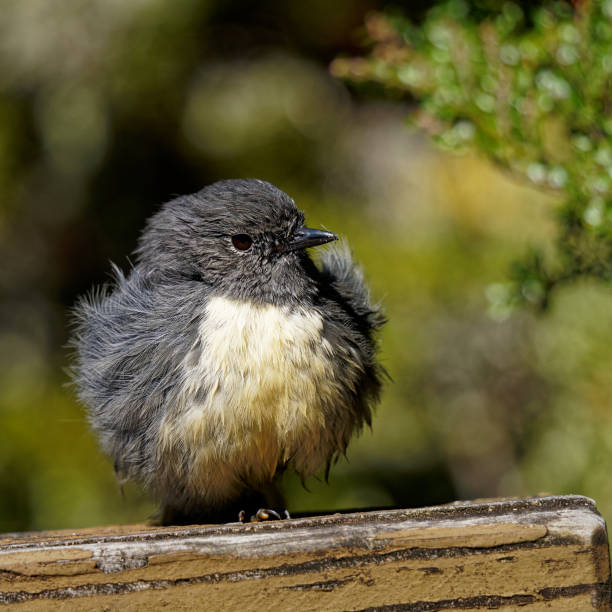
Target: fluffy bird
pixel 226 355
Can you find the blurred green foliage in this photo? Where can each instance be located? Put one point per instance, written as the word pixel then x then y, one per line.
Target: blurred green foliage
pixel 108 108
pixel 531 92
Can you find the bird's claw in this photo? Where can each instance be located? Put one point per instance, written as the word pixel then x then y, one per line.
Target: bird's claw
pixel 264 514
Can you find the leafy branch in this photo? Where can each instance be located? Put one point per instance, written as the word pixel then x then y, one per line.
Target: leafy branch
pixel 529 92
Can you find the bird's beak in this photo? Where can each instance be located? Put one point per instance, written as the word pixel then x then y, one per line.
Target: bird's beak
pixel 306 237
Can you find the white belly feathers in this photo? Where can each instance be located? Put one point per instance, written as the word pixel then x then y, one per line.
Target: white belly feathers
pixel 257 381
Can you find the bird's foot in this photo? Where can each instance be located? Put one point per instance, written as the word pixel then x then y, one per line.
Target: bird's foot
pixel 264 514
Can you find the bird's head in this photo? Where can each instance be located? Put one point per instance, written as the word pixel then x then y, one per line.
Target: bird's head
pixel 244 238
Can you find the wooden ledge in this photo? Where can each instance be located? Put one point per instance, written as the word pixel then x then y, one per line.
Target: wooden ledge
pixel 537 553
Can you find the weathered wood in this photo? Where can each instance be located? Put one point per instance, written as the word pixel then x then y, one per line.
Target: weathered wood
pixel 536 554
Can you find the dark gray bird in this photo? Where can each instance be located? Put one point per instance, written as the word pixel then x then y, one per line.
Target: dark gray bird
pixel 226 355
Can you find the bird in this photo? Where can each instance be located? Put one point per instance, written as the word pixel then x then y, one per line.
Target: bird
pixel 227 355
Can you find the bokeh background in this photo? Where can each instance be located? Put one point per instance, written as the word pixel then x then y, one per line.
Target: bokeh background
pixel 108 108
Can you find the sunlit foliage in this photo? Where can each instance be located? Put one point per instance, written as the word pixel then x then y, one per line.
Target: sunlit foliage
pixel 528 90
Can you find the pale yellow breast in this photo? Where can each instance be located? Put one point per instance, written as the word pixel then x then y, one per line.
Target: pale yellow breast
pixel 268 374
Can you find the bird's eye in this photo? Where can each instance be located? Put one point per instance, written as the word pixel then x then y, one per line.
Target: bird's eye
pixel 242 242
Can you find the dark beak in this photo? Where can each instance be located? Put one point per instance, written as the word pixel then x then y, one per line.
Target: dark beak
pixel 306 237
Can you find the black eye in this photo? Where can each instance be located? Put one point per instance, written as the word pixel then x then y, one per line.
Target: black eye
pixel 242 242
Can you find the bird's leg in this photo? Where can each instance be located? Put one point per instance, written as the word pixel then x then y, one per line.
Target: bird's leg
pixel 264 499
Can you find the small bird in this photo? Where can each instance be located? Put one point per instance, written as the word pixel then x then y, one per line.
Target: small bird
pixel 226 355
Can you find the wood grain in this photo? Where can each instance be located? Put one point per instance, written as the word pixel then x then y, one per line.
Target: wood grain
pixel 547 553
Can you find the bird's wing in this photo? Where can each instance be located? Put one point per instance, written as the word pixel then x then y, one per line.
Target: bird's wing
pixel 339 270
pixel 130 338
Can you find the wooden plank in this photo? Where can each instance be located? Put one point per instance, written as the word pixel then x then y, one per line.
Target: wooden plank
pixel 535 554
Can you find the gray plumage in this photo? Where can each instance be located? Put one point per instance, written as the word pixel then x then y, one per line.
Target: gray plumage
pixel 210 368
